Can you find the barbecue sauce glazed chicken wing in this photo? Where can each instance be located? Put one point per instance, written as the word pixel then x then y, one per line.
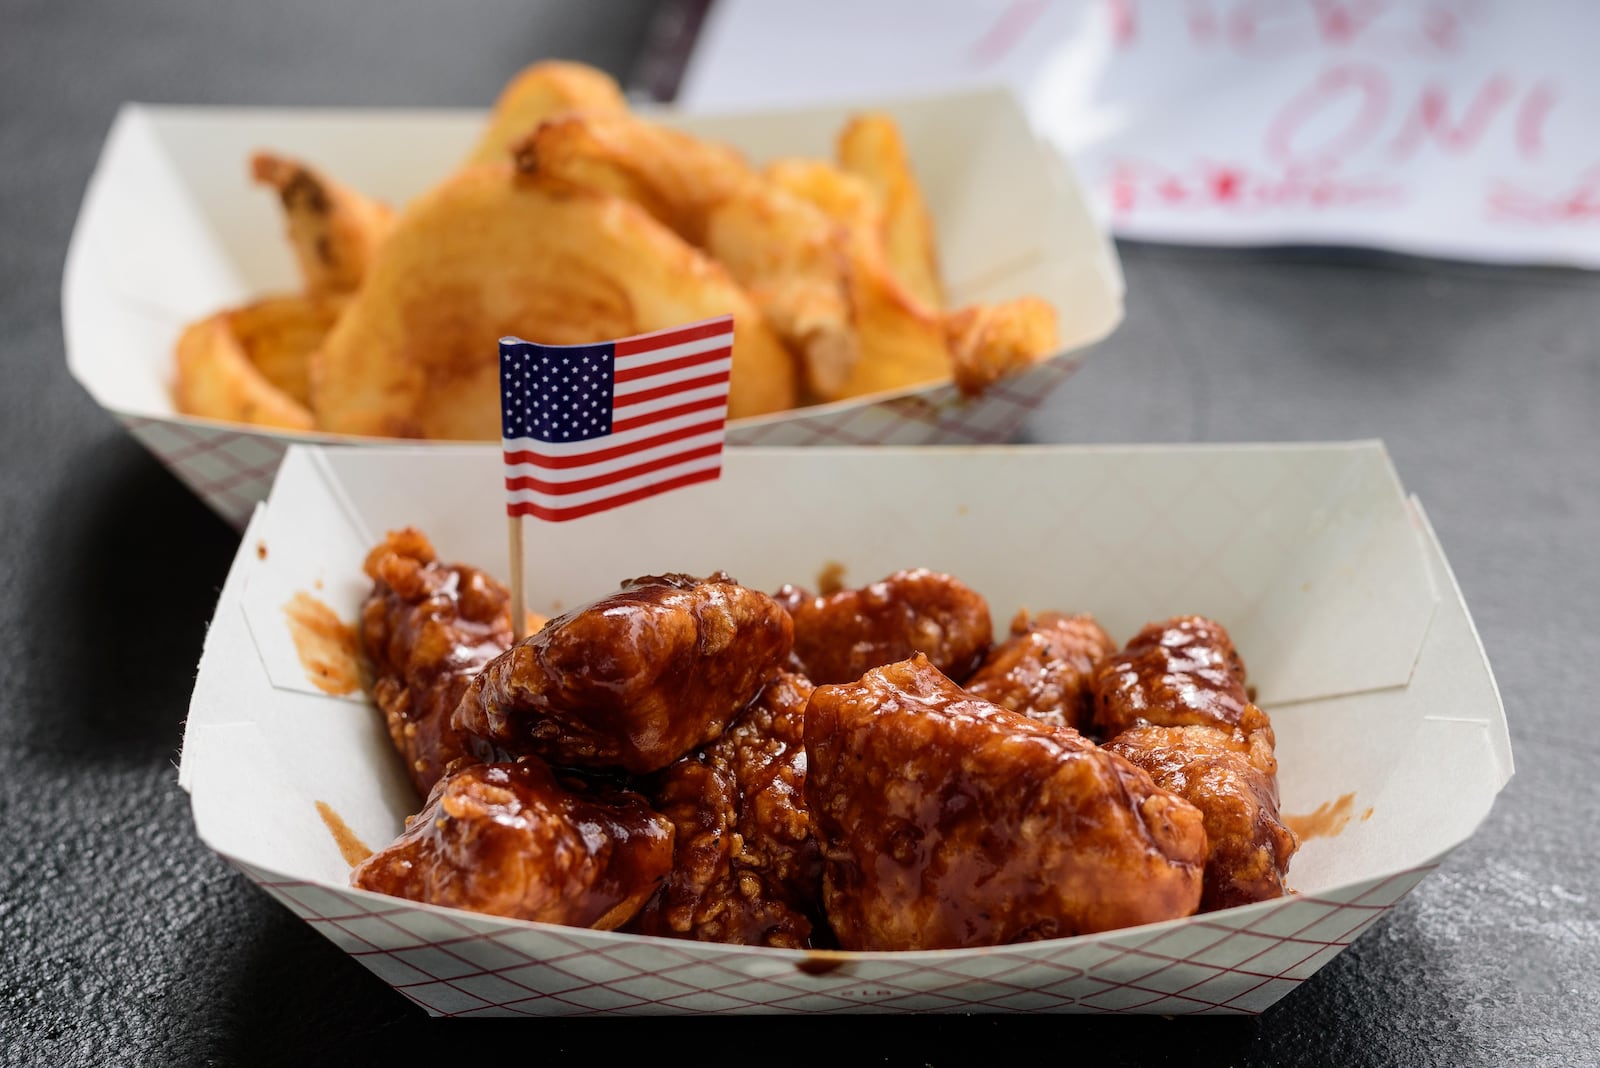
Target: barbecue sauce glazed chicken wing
pixel 427 628
pixel 1179 672
pixel 946 821
pixel 1174 702
pixel 746 868
pixel 841 636
pixel 634 680
pixel 1045 669
pixel 1231 778
pixel 525 841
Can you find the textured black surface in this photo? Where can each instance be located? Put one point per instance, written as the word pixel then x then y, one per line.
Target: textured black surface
pixel 123 940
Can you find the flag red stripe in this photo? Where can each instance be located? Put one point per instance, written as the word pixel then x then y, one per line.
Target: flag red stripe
pixel 557 515
pixel 558 489
pixel 670 388
pixel 583 459
pixel 632 374
pixel 623 425
pixel 629 346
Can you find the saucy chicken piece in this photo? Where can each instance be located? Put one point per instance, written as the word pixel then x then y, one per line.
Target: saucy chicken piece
pixel 1043 671
pixel 946 821
pixel 1181 672
pixel 746 869
pixel 1232 779
pixel 634 680
pixel 427 628
pixel 839 637
pixel 523 841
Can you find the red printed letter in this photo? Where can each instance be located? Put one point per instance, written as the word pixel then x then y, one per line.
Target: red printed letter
pixel 1431 117
pixel 1366 85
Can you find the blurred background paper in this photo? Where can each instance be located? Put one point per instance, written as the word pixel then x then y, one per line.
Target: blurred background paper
pixel 1459 128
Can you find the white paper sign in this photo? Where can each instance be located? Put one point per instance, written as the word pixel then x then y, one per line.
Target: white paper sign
pixel 1449 127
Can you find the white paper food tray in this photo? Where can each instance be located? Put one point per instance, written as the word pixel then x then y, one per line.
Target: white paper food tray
pixel 1330 580
pixel 172 230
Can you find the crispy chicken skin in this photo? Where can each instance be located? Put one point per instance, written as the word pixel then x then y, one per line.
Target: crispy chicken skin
pixel 540 92
pixel 870 147
pixel 1175 673
pixel 489 253
pixel 788 254
pixel 990 341
pixel 1231 778
pixel 746 869
pixel 842 635
pixel 632 681
pixel 523 841
pixel 427 628
pixel 1044 669
pixel 335 231
pixel 946 821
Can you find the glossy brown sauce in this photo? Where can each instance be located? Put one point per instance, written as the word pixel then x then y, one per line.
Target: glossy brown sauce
pixel 351 848
pixel 820 964
pixel 329 650
pixel 1328 820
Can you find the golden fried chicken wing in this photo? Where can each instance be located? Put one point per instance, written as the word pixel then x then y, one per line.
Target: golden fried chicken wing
pixel 990 341
pixel 676 177
pixel 903 341
pixel 489 254
pixel 901 337
pixel 842 635
pixel 1231 778
pixel 1175 673
pixel 523 841
pixel 870 146
pixel 334 230
pixel 217 379
pixel 539 92
pixel 427 628
pixel 846 198
pixel 1043 670
pixel 746 868
pixel 946 821
pixel 795 263
pixel 787 253
pixel 634 680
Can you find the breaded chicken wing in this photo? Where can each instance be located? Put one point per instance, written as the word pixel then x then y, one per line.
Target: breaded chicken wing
pixel 946 821
pixel 217 378
pixel 839 637
pixel 489 254
pixel 523 841
pixel 634 680
pixel 870 147
pixel 746 869
pixel 788 254
pixel 539 92
pixel 990 341
pixel 1043 671
pixel 1232 779
pixel 1179 672
pixel 427 629
pixel 334 230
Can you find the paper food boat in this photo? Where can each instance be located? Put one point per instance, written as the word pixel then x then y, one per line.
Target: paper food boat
pixel 173 230
pixel 1330 580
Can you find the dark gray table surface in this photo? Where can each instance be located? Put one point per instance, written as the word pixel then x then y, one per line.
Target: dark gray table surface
pixel 124 940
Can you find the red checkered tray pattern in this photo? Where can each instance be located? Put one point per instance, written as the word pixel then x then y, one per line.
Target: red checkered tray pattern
pixel 451 963
pixel 231 468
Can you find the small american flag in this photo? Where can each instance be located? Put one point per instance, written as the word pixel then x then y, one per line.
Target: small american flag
pixel 590 427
